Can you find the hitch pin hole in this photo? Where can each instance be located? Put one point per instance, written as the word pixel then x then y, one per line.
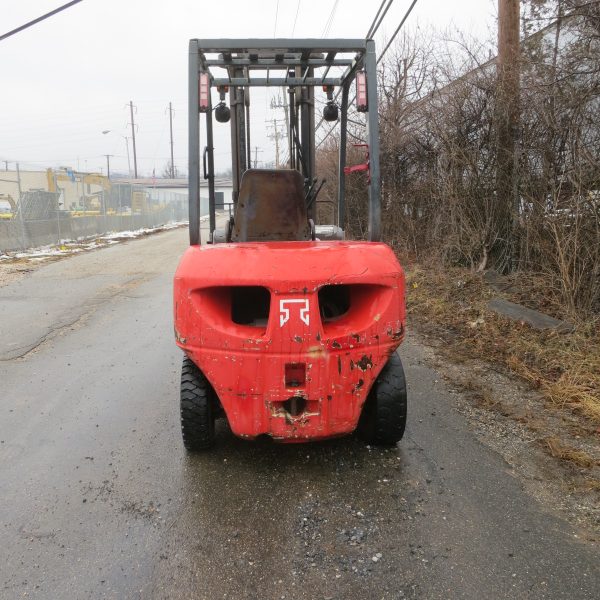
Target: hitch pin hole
pixel 295 405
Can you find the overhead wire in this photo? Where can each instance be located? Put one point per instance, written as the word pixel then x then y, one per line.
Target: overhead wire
pixel 403 20
pixel 370 33
pixel 376 23
pixel 296 18
pixel 274 35
pixel 330 19
pixel 276 15
pixel 42 18
pixel 377 20
pixel 406 15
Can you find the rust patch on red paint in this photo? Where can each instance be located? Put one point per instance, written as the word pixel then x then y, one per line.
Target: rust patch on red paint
pixel 359 385
pixel 366 362
pixel 396 335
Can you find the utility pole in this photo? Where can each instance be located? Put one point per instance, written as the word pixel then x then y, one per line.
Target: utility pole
pixel 276 135
pixel 276 144
pixel 128 160
pixel 279 104
pixel 171 131
pixel 507 116
pixel 19 183
pixel 135 171
pixel 256 151
pixel 20 209
pixel 108 164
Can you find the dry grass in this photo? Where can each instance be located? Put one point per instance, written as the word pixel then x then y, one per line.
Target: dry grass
pixel 593 485
pixel 451 304
pixel 559 450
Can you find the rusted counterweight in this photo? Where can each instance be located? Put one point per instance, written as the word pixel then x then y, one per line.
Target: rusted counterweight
pixel 291 335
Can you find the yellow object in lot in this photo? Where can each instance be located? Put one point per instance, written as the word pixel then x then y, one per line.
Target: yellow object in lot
pixel 85 213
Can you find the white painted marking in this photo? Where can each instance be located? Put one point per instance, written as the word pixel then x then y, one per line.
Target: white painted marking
pixel 284 313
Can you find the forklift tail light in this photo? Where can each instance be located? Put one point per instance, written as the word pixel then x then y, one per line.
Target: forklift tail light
pixel 362 103
pixel 204 93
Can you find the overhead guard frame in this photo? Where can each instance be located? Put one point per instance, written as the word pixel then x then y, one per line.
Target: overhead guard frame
pixel 242 56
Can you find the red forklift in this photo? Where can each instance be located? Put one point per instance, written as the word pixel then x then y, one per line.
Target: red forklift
pixel 288 330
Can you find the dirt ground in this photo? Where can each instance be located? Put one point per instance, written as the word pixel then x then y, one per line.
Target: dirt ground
pixel 531 395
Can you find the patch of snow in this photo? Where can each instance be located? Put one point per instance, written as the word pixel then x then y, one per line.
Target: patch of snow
pixel 82 244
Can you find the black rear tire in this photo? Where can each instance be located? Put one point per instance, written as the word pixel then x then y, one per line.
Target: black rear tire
pixel 197 408
pixel 383 417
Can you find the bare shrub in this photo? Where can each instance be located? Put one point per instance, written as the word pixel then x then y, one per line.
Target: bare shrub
pixel 438 123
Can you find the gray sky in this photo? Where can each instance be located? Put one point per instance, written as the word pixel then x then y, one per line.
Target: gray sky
pixel 70 77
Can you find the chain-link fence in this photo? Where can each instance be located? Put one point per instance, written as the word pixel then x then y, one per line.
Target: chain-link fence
pixel 39 218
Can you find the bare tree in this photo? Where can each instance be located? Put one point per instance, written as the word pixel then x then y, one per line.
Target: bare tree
pixel 439 121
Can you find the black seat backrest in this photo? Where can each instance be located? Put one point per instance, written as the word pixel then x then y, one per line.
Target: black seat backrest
pixel 271 207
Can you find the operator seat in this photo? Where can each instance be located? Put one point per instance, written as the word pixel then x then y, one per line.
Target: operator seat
pixel 271 207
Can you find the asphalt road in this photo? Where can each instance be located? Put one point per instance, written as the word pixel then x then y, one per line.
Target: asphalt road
pixel 99 500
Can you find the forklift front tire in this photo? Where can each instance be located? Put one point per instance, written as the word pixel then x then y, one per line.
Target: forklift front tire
pixel 383 417
pixel 197 417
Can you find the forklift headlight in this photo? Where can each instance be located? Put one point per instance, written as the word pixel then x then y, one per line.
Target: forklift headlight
pixel 330 112
pixel 222 112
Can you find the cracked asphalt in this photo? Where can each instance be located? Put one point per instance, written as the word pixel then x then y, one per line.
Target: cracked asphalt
pixel 99 499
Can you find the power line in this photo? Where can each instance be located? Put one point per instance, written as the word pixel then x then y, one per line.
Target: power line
pixel 406 15
pixel 296 18
pixel 30 23
pixel 329 22
pixel 370 32
pixel 276 15
pixel 375 19
pixel 376 23
pixel 321 120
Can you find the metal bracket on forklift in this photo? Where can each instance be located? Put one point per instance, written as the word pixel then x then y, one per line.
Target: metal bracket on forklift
pixel 234 66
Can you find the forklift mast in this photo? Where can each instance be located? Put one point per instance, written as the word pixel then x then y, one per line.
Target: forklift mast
pixel 233 66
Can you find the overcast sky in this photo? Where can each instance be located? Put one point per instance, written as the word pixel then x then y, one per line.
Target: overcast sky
pixel 67 79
